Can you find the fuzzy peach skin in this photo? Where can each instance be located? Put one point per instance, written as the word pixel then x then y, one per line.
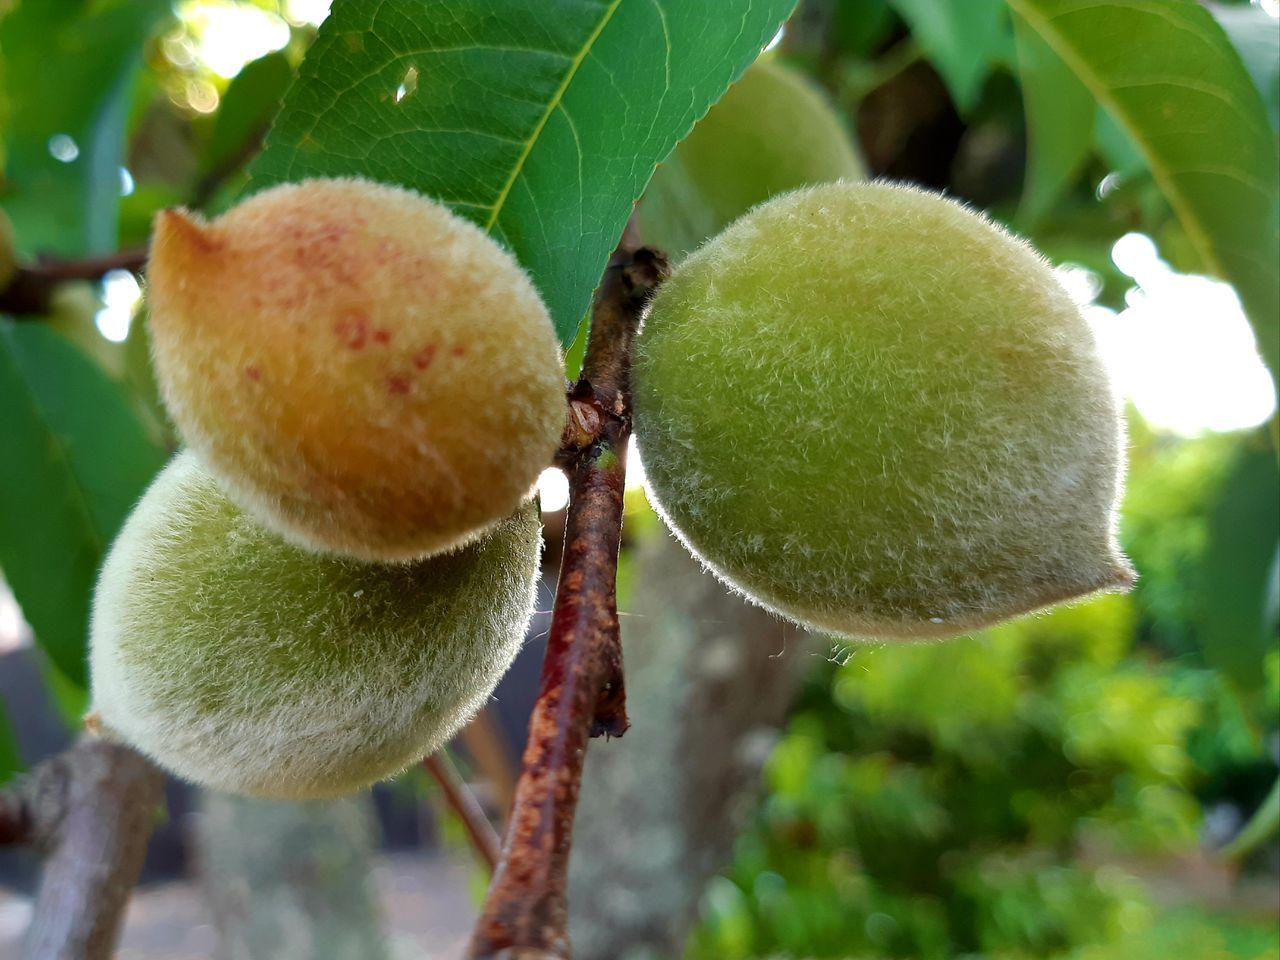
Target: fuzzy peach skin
pixel 245 664
pixel 364 371
pixel 877 413
pixel 743 152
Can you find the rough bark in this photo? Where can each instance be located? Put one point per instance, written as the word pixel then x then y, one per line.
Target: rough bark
pixel 92 811
pixel 581 693
pixel 290 881
pixel 709 678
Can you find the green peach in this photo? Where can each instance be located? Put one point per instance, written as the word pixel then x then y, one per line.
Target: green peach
pixel 874 412
pixel 245 664
pixel 773 131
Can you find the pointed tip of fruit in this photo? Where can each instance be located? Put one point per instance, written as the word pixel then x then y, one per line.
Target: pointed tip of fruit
pixel 178 231
pixel 1115 575
pixel 1123 576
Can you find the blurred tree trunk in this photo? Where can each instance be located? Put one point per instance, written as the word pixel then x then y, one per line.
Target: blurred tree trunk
pixel 709 678
pixel 291 881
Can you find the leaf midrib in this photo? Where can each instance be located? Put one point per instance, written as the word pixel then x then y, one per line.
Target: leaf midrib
pixel 1164 174
pixel 500 202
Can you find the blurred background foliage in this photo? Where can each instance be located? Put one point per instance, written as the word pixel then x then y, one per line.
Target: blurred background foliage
pixel 1065 786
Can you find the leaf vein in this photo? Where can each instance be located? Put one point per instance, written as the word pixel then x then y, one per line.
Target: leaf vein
pixel 556 97
pixel 1208 89
pixel 1085 6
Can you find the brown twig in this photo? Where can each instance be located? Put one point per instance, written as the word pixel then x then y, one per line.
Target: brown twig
pixel 484 839
pixel 90 809
pixel 215 179
pixel 488 749
pixel 581 693
pixel 30 292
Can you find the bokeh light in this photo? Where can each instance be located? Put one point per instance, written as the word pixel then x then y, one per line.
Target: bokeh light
pixel 229 35
pixel 553 490
pixel 120 297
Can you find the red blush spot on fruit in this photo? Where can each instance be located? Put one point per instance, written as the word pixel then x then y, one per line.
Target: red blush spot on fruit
pixel 253 373
pixel 422 359
pixel 353 330
pixel 382 336
pixel 458 351
pixel 399 383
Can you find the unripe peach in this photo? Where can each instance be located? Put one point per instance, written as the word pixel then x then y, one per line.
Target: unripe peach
pixel 363 370
pixel 774 130
pixel 876 413
pixel 245 664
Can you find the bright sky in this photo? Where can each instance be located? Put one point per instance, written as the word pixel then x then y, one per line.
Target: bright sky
pixel 11 632
pixel 553 485
pixel 1182 350
pixel 232 34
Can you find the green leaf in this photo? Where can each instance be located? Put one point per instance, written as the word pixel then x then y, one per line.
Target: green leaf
pixel 140 378
pixel 75 460
pixel 251 101
pixel 69 65
pixel 961 38
pixel 1117 147
pixel 1256 37
pixel 541 122
pixel 70 699
pixel 1244 528
pixel 10 758
pixel 1168 74
pixel 861 25
pixel 1060 118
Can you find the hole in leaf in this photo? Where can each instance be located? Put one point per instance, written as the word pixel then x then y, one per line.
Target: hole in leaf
pixel 408 85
